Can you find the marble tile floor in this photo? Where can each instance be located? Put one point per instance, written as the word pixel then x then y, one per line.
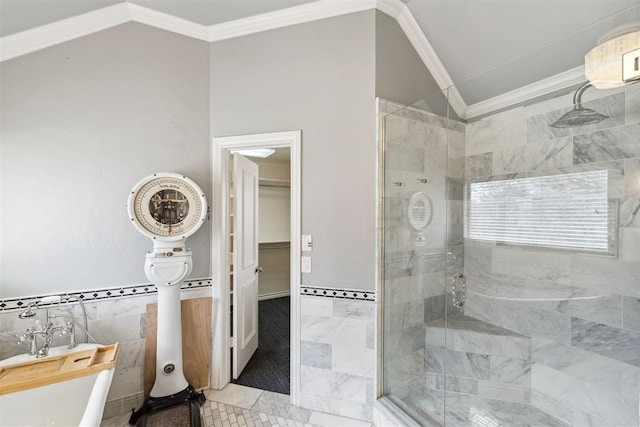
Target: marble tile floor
pixel 240 406
pixel 465 410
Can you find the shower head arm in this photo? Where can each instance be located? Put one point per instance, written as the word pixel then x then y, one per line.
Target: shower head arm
pixel 577 97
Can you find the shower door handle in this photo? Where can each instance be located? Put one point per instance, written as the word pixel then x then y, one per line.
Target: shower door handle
pixel 458 285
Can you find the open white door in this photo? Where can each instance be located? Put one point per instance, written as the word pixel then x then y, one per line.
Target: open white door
pixel 245 268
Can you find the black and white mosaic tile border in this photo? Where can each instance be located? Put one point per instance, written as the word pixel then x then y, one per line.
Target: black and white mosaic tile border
pixel 99 294
pixel 355 294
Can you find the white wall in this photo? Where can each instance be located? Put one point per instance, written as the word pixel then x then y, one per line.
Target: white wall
pixel 274 229
pixel 274 202
pixel 82 122
pixel 317 77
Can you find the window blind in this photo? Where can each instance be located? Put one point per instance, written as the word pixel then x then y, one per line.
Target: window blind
pixel 565 211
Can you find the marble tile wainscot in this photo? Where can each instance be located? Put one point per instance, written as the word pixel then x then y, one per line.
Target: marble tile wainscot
pixel 114 315
pixel 338 356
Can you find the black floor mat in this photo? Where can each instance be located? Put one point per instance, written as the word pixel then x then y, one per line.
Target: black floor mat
pixel 269 367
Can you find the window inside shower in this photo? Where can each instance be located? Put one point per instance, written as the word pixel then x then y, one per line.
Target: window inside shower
pixel 565 211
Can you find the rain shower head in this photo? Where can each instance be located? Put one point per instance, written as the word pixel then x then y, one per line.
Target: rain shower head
pixel 579 116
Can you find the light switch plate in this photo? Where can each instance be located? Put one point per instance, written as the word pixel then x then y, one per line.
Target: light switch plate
pixel 307 243
pixel 306 264
pixel 631 66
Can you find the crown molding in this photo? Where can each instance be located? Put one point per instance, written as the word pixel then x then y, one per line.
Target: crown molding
pixel 393 8
pixel 164 21
pixel 25 42
pixel 286 17
pixel 400 11
pixel 28 41
pixel 540 88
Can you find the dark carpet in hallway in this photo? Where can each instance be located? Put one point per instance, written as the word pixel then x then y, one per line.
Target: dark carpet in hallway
pixel 268 369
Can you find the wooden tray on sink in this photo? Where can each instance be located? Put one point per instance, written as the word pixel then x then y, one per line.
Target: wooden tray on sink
pixel 54 369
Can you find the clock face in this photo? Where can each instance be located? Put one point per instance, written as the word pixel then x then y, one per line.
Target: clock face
pixel 167 206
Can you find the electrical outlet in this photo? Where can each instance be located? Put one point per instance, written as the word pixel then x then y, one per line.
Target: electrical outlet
pixel 631 66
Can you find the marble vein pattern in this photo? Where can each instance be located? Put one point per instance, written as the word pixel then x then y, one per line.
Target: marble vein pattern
pixel 551 154
pixel 470 410
pixel 503 392
pixel 632 103
pixel 631 313
pixel 630 211
pixel 618 344
pixel 613 106
pixel 632 177
pixel 629 244
pixel 338 358
pixel 478 165
pixel 583 364
pixel 279 405
pixel 583 396
pixel 460 364
pixel 404 369
pixel 510 370
pixel 606 145
pixel 405 157
pixel 519 316
pixel 315 354
pixel 457 384
pixel 416 113
pixel 553 407
pixel 495 133
pixel 404 342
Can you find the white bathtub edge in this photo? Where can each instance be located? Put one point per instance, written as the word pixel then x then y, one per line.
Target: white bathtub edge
pixel 92 416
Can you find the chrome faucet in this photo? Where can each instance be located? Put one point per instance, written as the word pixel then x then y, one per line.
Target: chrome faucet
pixel 30 336
pixel 47 332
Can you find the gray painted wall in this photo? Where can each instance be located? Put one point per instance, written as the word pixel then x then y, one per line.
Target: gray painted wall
pixel 401 76
pixel 81 124
pixel 83 121
pixel 317 77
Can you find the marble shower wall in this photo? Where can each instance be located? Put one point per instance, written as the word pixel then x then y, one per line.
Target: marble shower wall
pixel 424 152
pixel 581 311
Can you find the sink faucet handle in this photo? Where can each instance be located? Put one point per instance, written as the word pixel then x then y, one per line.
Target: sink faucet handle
pixel 30 336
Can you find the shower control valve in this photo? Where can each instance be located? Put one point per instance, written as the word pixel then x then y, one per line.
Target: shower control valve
pixel 458 281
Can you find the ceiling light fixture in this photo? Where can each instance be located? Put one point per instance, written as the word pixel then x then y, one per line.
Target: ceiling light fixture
pixel 256 152
pixel 617 49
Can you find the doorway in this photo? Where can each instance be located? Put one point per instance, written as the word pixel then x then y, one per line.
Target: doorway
pixel 268 367
pixel 223 253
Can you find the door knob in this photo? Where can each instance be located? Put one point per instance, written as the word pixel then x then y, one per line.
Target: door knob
pixel 258 270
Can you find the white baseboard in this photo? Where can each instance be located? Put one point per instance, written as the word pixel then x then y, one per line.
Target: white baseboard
pixel 273 295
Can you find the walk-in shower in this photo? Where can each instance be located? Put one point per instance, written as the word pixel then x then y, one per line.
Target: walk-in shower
pixel 512 260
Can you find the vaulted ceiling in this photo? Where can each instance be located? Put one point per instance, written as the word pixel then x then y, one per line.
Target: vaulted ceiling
pixel 496 52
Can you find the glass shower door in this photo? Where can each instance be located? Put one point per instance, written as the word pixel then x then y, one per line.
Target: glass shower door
pixel 423 155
